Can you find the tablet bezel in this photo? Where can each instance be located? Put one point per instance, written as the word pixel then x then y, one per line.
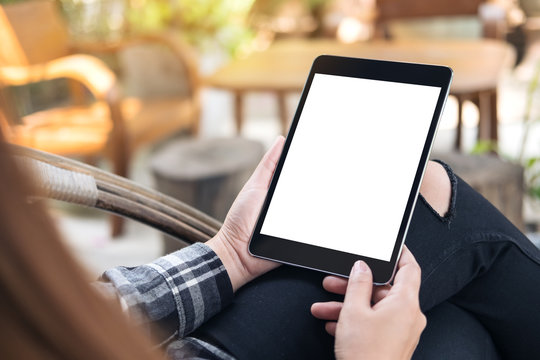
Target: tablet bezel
pixel 333 261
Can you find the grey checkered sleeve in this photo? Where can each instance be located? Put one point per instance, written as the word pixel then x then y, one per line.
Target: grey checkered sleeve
pixel 175 293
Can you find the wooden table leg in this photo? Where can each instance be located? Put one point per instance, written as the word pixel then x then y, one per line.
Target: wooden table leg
pixel 282 108
pixel 239 111
pixel 494 118
pixel 459 127
pixel 120 156
pixel 487 124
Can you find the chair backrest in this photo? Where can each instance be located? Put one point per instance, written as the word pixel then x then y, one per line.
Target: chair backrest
pixel 408 9
pixel 390 11
pixel 31 32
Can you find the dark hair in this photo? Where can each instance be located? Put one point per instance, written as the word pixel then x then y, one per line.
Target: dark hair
pixel 48 310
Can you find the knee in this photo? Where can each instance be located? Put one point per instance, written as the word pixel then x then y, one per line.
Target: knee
pixel 436 187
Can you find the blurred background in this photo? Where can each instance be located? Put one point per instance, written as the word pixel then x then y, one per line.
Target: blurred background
pixel 185 96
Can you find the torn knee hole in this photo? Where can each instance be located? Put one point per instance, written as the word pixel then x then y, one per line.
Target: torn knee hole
pixel 436 188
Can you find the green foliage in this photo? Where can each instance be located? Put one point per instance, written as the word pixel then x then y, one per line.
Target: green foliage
pixel 270 7
pixel 531 162
pixel 535 192
pixel 528 120
pixel 532 165
pixel 201 22
pixel 148 16
pixel 485 146
pixel 532 177
pixel 216 20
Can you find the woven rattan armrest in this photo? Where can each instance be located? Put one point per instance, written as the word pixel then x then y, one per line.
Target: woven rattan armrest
pixel 68 180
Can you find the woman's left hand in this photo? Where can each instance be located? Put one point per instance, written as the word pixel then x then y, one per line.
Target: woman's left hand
pixel 231 242
pixel 375 322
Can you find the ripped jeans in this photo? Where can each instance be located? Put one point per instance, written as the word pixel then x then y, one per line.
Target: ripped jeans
pixel 480 292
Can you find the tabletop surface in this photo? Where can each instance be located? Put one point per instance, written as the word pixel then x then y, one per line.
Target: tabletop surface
pixel 477 64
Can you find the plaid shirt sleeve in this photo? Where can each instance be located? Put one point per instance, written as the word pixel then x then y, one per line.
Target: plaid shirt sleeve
pixel 174 294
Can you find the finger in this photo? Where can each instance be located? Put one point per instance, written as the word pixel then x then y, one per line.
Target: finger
pixel 327 310
pixel 264 171
pixel 409 273
pixel 406 257
pixel 360 286
pixel 335 284
pixel 330 327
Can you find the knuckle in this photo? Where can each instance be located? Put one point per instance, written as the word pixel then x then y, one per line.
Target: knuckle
pixel 422 321
pixel 418 268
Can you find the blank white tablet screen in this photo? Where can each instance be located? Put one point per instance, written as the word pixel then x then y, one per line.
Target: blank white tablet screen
pixel 351 164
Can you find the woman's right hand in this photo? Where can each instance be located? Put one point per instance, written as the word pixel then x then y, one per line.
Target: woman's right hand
pixel 231 242
pixel 375 323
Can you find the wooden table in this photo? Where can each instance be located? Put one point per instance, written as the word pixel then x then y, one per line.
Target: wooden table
pixel 284 67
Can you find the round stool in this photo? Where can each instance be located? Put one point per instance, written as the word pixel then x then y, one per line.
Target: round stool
pixel 205 173
pixel 499 181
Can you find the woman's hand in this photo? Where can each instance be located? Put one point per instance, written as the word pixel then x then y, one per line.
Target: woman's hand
pixel 375 322
pixel 231 242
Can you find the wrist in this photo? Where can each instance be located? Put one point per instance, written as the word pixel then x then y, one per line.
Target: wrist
pixel 231 261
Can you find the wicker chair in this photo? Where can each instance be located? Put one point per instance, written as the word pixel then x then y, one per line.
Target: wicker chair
pixel 71 181
pixel 36 48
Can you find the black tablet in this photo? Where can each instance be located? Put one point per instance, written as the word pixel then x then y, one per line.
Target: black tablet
pixel 347 181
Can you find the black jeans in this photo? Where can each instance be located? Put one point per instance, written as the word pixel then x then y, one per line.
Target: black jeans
pixel 480 292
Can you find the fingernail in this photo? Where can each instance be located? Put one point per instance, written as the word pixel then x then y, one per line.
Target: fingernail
pixel 360 267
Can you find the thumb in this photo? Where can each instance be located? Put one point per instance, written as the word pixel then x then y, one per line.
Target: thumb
pixel 360 286
pixel 263 173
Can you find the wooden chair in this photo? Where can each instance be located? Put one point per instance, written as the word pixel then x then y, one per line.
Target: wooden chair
pixel 35 47
pixel 392 10
pixel 64 179
pixel 491 26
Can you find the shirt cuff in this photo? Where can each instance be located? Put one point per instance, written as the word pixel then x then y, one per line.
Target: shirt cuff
pixel 178 292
